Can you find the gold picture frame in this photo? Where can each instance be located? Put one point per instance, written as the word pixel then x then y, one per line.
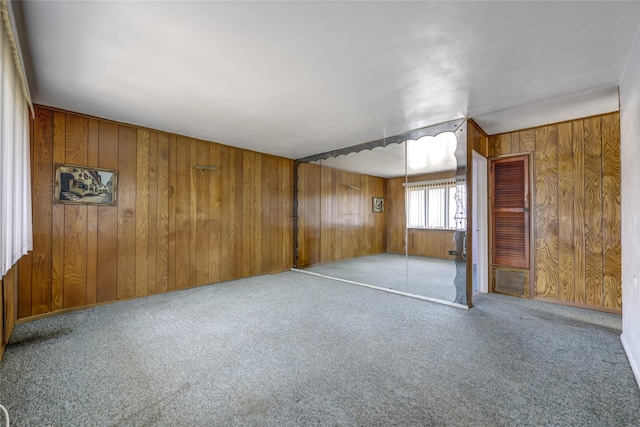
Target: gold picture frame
pixel 83 185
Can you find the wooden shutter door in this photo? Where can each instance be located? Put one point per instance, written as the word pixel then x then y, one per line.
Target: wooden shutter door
pixel 510 212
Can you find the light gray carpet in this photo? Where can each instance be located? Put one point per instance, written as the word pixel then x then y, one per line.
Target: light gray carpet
pixel 297 350
pixel 429 277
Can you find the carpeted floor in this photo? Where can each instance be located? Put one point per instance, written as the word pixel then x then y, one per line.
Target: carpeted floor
pixel 429 277
pixel 297 350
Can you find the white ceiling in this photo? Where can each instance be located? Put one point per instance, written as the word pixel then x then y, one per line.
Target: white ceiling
pixel 300 78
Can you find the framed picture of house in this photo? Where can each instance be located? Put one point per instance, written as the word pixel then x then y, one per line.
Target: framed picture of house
pixel 85 185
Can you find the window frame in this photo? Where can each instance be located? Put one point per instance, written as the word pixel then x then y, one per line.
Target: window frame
pixel 450 222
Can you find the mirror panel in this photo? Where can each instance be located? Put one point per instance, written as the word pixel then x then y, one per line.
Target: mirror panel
pixel 352 230
pixel 352 214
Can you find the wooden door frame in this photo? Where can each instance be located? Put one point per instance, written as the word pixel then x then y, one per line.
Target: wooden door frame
pixel 486 221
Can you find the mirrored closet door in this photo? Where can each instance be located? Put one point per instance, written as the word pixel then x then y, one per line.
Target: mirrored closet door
pixel 389 214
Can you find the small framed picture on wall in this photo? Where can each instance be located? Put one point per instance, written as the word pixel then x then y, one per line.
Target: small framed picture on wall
pixel 85 185
pixel 378 204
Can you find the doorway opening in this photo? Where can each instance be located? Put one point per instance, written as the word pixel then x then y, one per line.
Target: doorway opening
pixel 480 243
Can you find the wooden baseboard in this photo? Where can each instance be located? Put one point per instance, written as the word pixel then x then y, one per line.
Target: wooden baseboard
pixel 83 307
pixel 578 305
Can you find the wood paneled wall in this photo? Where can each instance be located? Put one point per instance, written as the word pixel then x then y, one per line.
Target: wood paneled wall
pixel 173 227
pixel 431 243
pixel 8 288
pixel 336 222
pixel 309 208
pixel 477 139
pixel 576 208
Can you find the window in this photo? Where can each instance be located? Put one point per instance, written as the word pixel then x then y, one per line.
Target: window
pixel 437 204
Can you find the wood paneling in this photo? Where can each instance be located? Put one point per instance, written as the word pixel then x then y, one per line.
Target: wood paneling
pixel 565 213
pixel 577 208
pixel 396 216
pixel 527 140
pixel 153 214
pixel 274 213
pixel 344 222
pixel 25 269
pixel 248 176
pixel 546 214
pixel 285 234
pixel 203 229
pixel 92 248
pixel 126 199
pixel 142 213
pixel 611 225
pixel 478 140
pixel 75 224
pixel 431 243
pixel 215 212
pixel 235 156
pixel 162 217
pixel 503 144
pixel 57 222
pixel 182 194
pixel 75 256
pixel 42 173
pixel 107 252
pixel 335 221
pixel 593 209
pixel 173 226
pixel 283 211
pixel 8 290
pixel 309 214
pixel 262 254
pixel 580 292
pixel 226 215
pixel 193 214
pixel 92 217
pixel 171 277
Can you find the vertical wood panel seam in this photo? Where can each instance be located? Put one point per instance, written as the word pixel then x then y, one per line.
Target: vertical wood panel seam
pixel 86 213
pixel 32 131
pixel 557 208
pixel 53 160
pixel 97 221
pixel 117 220
pixel 602 230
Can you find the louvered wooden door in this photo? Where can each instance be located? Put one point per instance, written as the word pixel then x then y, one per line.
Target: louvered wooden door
pixel 510 212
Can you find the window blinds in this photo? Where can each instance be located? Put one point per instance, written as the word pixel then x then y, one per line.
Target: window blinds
pixel 15 171
pixel 434 204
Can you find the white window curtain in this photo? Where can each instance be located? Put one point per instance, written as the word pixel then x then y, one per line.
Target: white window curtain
pixel 16 237
pixel 434 204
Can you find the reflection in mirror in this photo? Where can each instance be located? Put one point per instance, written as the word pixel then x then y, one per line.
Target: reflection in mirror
pixel 391 216
pixel 434 194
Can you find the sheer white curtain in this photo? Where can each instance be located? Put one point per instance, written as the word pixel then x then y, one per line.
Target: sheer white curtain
pixel 15 165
